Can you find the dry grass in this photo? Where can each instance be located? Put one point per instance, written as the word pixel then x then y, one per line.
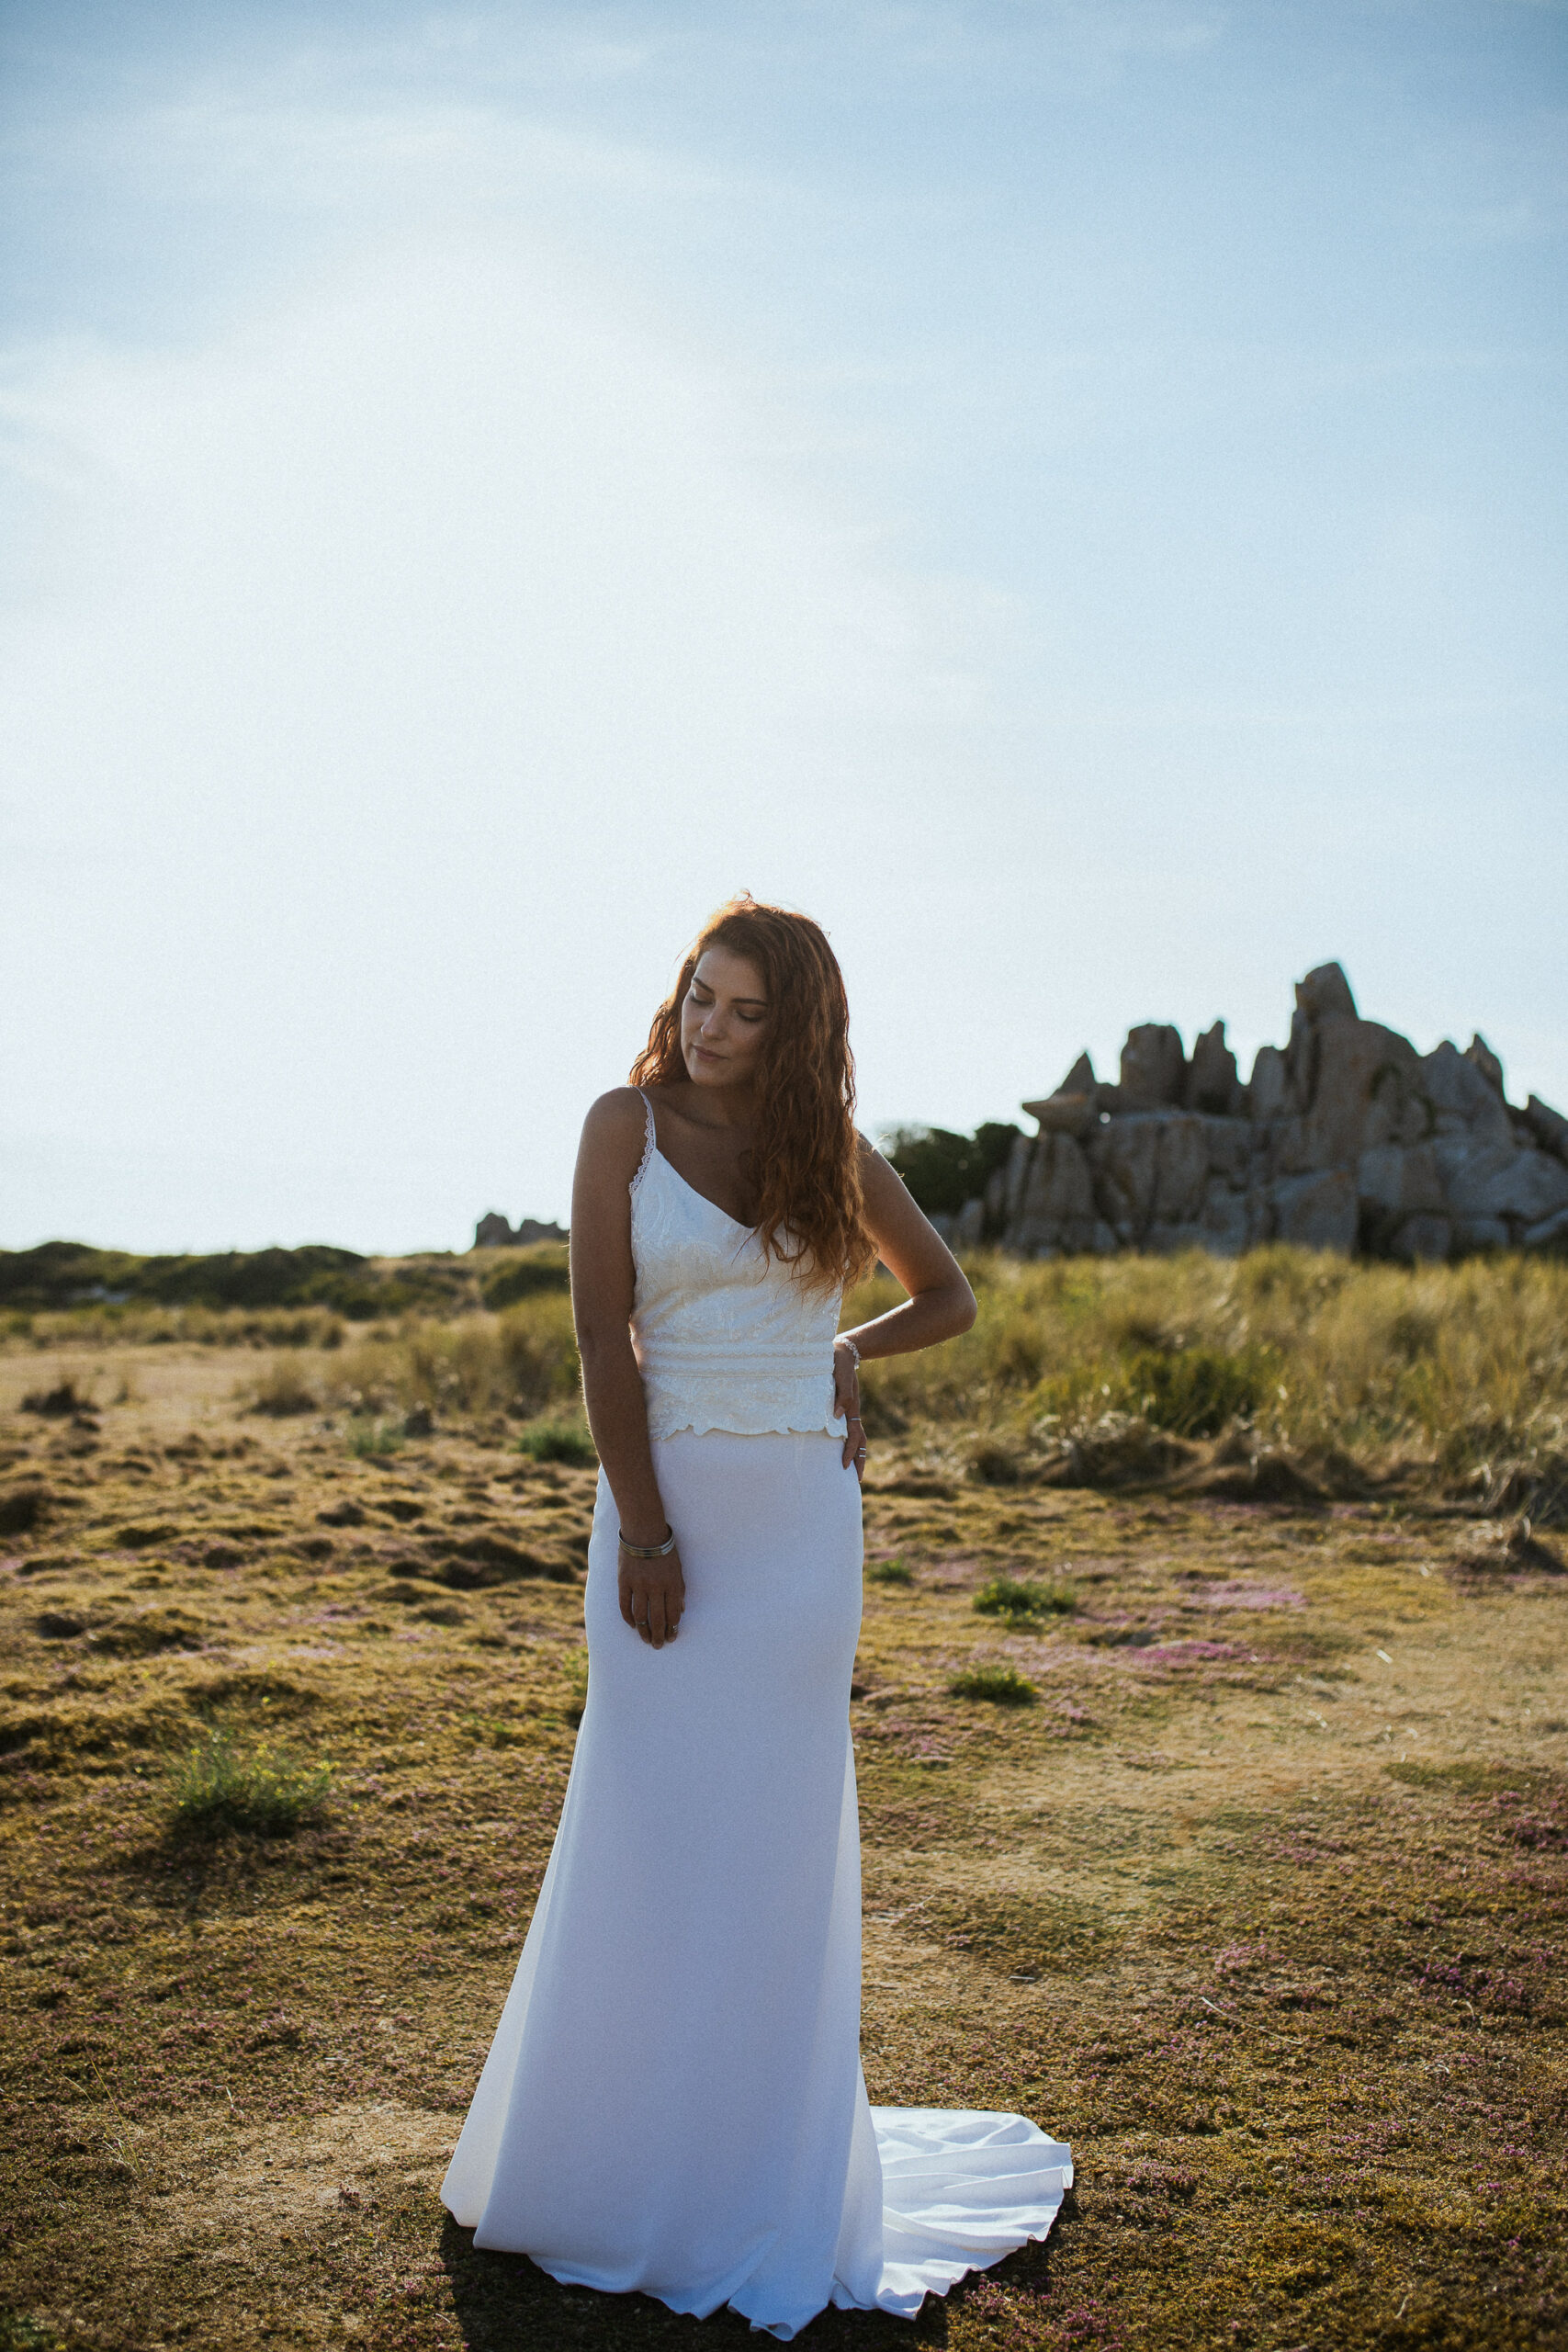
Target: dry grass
pixel 100 1327
pixel 517 1361
pixel 284 1386
pixel 1260 1903
pixel 1458 1375
pixel 1317 1373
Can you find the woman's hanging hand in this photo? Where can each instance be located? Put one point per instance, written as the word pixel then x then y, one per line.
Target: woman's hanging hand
pixel 846 1400
pixel 653 1596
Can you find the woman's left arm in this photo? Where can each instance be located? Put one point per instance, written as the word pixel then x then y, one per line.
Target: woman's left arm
pixel 940 1303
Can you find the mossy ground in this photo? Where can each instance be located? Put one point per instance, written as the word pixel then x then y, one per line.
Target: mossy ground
pixel 1261 1904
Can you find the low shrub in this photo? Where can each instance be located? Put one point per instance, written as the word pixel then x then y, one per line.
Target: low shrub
pixel 995 1462
pixel 890 1572
pixel 520 1363
pixel 1024 1598
pixel 528 1273
pixel 1107 1450
pixel 283 1389
pixel 943 1169
pixel 63 1275
pixel 220 1785
pixel 57 1403
pixel 1002 1685
pixel 567 1442
pixel 22 1507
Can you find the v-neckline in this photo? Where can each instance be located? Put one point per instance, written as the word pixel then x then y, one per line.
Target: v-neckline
pixel 735 1221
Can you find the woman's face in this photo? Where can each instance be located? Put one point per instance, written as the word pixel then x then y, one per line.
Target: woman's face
pixel 724 1020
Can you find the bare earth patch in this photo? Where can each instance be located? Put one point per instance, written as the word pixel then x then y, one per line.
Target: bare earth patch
pixel 256 2186
pixel 1260 1901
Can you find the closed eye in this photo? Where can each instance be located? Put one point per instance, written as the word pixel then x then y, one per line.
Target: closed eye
pixel 747 1007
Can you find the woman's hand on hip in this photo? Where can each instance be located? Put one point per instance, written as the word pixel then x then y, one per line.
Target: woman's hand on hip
pixel 846 1400
pixel 653 1596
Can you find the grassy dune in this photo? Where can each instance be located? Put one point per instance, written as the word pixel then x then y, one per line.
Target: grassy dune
pixel 1213 1763
pixel 1450 1377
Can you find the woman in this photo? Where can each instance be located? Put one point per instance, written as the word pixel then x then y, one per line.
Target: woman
pixel 673 2101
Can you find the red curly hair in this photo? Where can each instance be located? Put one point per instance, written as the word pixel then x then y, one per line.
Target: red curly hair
pixel 804 1153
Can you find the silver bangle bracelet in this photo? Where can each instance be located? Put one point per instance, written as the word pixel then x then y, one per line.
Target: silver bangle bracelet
pixel 843 1340
pixel 649 1551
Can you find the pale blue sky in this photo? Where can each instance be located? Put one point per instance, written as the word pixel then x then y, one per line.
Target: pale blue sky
pixel 1071 495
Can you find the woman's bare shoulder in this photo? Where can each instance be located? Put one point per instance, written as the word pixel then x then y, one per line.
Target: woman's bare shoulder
pixel 616 1117
pixel 614 1134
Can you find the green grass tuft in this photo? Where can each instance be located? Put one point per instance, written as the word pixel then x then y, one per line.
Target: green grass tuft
pixel 1194 1391
pixel 369 1436
pixel 1001 1684
pixel 19 2333
pixel 1022 1598
pixel 890 1572
pixel 220 1785
pixel 566 1441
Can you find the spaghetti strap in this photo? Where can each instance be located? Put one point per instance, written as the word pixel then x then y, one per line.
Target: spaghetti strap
pixel 650 1143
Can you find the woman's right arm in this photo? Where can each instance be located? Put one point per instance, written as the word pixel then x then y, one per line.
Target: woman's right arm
pixel 604 1279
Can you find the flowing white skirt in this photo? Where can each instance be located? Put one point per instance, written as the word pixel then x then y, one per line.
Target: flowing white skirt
pixel 673 2100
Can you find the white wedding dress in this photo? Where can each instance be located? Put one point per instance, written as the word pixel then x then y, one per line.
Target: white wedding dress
pixel 673 2100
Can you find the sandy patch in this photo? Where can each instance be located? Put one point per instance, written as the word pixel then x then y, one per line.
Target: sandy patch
pixel 278 2179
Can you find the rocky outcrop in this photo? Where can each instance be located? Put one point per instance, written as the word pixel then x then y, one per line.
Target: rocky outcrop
pixel 492 1232
pixel 1345 1138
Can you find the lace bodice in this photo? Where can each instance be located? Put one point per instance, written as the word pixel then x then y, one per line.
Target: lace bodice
pixel 726 1336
